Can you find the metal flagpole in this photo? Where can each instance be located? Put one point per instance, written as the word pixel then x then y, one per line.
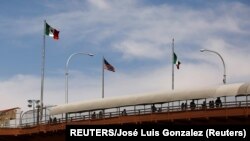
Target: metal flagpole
pixel 42 69
pixel 173 64
pixel 102 77
pixel 103 82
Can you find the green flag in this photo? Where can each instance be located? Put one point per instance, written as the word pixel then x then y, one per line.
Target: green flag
pixel 52 32
pixel 176 61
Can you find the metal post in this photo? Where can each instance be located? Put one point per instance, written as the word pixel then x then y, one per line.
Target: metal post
pixel 20 120
pixel 37 117
pixel 43 65
pixel 67 74
pixel 33 112
pixel 102 77
pixel 173 64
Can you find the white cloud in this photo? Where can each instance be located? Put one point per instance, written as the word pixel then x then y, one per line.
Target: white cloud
pixel 15 91
pixel 132 49
pixel 139 32
pixel 155 26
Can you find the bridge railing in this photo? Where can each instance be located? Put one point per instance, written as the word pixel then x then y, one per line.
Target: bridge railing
pixel 175 106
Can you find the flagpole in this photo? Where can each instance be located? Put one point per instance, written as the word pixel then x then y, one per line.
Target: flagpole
pixel 103 77
pixel 42 68
pixel 173 64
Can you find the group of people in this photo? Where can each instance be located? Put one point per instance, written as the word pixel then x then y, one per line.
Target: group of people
pixel 211 104
pixel 154 109
pixel 192 105
pixel 184 106
pixel 217 103
pixel 53 121
pixel 93 116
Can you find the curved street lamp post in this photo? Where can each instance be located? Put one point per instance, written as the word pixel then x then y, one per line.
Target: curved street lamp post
pixel 224 66
pixel 67 72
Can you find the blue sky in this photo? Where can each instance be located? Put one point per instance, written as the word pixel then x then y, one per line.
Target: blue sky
pixel 134 36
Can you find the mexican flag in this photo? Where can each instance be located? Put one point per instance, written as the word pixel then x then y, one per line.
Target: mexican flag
pixel 50 31
pixel 176 61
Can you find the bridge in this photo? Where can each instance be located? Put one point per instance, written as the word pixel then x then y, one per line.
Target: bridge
pixel 224 105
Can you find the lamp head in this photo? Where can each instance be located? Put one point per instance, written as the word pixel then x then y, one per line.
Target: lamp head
pixel 202 50
pixel 37 101
pixel 90 54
